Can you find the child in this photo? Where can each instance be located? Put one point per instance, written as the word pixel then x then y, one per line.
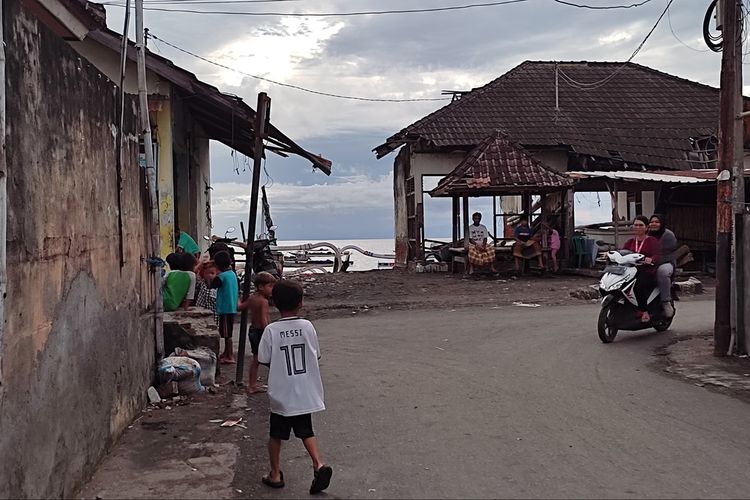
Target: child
pixel 178 287
pixel 205 296
pixel 226 302
pixel 259 320
pixel 554 247
pixel 290 348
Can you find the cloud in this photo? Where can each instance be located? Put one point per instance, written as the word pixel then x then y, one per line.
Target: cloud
pixel 398 56
pixel 615 38
pixel 358 192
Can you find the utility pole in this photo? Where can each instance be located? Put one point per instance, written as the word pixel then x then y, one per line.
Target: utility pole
pixel 260 133
pixel 738 198
pixel 145 126
pixel 729 122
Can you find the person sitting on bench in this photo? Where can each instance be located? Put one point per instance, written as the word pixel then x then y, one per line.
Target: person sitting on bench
pixel 526 246
pixel 480 254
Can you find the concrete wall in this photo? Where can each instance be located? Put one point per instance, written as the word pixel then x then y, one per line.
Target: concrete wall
pixel 108 62
pixel 191 171
pixel 162 118
pixel 201 171
pixel 78 351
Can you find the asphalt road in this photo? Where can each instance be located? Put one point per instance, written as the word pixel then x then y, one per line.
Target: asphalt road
pixel 510 402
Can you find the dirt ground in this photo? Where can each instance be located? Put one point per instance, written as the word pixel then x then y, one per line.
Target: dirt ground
pixel 328 295
pixel 691 358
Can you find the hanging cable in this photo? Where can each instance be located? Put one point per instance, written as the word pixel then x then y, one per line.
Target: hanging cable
pixel 378 12
pixel 296 87
pixel 714 42
pixel 669 19
pixel 595 85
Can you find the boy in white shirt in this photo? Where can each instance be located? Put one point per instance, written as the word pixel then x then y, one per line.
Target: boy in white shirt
pixel 289 347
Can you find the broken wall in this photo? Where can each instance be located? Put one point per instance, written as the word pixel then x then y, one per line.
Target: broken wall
pixel 78 350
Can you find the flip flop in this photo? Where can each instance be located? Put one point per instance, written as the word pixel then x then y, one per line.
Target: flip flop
pixel 322 479
pixel 274 484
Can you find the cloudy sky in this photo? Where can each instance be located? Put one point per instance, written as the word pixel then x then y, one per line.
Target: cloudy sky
pixel 389 56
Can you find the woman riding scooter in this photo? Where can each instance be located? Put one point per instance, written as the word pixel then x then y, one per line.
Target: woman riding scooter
pixel 665 271
pixel 649 247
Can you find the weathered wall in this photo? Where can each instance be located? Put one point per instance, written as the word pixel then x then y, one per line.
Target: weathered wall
pixel 201 183
pixel 78 351
pixel 163 134
pixel 192 171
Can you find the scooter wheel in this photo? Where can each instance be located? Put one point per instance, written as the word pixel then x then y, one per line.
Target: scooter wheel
pixel 663 325
pixel 606 332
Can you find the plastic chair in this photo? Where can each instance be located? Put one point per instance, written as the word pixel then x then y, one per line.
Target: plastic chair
pixel 579 249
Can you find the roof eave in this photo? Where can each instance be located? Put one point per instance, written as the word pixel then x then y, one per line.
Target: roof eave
pixel 213 101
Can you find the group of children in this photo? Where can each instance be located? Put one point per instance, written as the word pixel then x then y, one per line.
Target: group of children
pixel 289 347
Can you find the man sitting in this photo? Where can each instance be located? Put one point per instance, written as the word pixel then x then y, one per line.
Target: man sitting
pixel 526 246
pixel 480 254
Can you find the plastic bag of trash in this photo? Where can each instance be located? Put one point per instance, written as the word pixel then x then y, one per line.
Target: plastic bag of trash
pixel 207 359
pixel 183 370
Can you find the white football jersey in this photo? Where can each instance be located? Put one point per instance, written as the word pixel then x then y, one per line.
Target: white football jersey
pixel 290 347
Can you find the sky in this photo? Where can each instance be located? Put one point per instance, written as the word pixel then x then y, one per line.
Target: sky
pixel 390 56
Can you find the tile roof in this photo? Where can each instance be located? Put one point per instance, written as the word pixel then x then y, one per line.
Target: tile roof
pixel 640 115
pixel 497 166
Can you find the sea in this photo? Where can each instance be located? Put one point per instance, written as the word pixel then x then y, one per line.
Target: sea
pixel 361 262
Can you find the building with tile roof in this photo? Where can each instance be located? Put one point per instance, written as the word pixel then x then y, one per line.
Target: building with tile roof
pixel 569 116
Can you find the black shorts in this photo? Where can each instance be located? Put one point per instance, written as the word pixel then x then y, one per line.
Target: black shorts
pixel 226 325
pixel 254 335
pixel 282 426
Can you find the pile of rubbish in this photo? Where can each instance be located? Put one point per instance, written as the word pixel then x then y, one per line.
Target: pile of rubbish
pixel 185 371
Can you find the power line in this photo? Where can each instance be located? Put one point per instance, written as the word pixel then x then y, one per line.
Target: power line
pixel 669 19
pixel 335 14
pixel 603 81
pixel 296 87
pixel 375 12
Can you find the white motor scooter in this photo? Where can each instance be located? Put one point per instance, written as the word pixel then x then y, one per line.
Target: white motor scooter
pixel 619 305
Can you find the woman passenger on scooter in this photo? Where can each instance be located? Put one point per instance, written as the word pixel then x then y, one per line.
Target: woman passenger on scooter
pixel 648 246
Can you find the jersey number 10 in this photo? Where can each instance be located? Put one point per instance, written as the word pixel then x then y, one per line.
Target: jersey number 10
pixel 295 359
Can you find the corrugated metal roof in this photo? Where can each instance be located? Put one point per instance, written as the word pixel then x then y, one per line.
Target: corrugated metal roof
pixel 683 177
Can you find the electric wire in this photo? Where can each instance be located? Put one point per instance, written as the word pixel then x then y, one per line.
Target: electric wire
pixel 714 42
pixel 669 19
pixel 595 85
pixel 375 12
pixel 298 87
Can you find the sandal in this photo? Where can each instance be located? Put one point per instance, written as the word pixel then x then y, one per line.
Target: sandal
pixel 273 484
pixel 322 479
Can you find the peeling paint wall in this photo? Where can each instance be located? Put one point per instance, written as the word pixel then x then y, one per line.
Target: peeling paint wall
pixel 78 351
pixel 163 134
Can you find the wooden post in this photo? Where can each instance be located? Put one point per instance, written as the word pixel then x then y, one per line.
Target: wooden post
pixel 260 132
pixel 465 217
pixel 569 225
pixel 456 218
pixel 728 113
pixel 145 126
pixel 3 191
pixel 494 216
pixel 738 197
